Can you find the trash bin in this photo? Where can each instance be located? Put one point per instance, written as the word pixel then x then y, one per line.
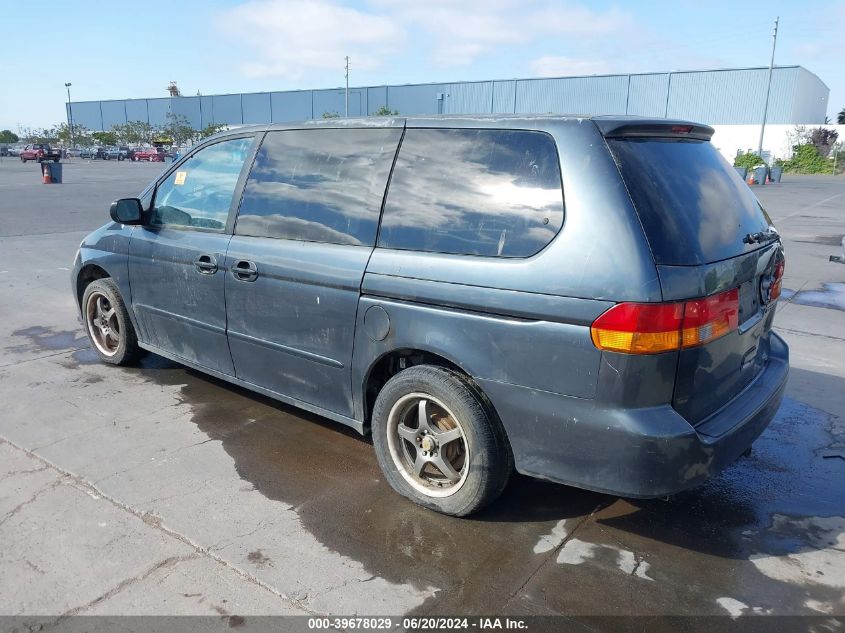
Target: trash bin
pixel 760 175
pixel 742 171
pixel 51 173
pixel 775 173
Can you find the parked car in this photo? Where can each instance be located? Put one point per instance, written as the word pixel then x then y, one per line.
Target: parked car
pixel 454 315
pixel 4 150
pixel 73 152
pixel 113 153
pixel 152 154
pixel 15 150
pixel 126 152
pixel 40 152
pixel 93 153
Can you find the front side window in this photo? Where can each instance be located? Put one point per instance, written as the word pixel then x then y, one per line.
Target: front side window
pixel 199 192
pixel 319 185
pixel 495 193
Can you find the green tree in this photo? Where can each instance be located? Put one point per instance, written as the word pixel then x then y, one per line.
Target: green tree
pixel 211 129
pixel 385 111
pixel 331 115
pixel 104 138
pixel 7 136
pixel 178 129
pixel 81 134
pixel 840 118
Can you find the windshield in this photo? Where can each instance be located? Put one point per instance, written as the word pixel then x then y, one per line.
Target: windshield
pixel 693 206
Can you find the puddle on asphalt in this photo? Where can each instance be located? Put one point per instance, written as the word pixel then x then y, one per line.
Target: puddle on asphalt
pixel 44 338
pixel 831 296
pixel 825 240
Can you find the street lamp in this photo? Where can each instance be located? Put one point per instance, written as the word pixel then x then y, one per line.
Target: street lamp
pixel 69 113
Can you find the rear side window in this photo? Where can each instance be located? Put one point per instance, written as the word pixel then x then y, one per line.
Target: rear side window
pixel 693 206
pixel 319 185
pixel 495 193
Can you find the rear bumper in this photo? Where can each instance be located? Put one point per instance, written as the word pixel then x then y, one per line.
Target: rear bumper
pixel 647 452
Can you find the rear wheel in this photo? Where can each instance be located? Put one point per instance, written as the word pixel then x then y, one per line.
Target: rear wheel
pixel 108 324
pixel 438 443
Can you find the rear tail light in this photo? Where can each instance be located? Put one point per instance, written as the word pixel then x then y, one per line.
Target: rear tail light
pixel 777 283
pixel 651 328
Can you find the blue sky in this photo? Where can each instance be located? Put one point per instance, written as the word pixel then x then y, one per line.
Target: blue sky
pixel 119 50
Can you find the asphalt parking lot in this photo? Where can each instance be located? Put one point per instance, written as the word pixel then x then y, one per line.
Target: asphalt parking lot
pixel 159 490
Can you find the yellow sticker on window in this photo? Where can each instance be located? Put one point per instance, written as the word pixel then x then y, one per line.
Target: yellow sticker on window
pixel 180 177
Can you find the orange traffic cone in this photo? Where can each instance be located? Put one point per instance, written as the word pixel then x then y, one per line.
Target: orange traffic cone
pixel 45 174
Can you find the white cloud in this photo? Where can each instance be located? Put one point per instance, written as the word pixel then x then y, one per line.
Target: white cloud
pixel 292 37
pixel 289 38
pixel 462 32
pixel 561 66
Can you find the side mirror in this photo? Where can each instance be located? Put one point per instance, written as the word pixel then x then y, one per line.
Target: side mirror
pixel 126 211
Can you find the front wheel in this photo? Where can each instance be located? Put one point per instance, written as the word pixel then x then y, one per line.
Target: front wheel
pixel 438 443
pixel 108 324
pixel 23 160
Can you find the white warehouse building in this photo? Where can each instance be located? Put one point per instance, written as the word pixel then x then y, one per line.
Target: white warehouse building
pixel 732 100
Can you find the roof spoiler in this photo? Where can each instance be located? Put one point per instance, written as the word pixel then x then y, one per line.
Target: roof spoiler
pixel 650 129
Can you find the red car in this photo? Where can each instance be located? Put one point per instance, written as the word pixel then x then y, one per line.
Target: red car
pixel 152 154
pixel 40 152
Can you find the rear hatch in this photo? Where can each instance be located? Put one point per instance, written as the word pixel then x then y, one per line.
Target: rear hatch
pixel 710 237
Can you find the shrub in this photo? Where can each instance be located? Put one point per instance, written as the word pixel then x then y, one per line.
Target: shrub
pixel 806 160
pixel 749 160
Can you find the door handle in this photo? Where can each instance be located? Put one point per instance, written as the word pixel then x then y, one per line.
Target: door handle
pixel 244 270
pixel 206 264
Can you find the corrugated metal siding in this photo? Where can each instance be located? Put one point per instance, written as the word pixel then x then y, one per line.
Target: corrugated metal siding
pixel 647 95
pixel 256 108
pixel 291 106
pixel 114 113
pixel 811 97
pixel 421 99
pixel 573 95
pixel 136 110
pixel 157 110
pixel 188 107
pixel 87 114
pixel 469 98
pixel 732 96
pixel 207 110
pixel 376 97
pixel 503 96
pixel 227 109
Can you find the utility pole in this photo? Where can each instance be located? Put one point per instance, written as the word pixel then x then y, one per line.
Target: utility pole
pixel 768 87
pixel 346 99
pixel 69 113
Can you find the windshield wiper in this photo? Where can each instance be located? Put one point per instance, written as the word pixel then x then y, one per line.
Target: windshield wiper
pixel 761 237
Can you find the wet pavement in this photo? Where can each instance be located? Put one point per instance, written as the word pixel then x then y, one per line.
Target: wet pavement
pixel 157 489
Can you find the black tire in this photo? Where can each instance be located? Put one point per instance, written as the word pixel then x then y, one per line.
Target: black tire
pixel 486 471
pixel 126 350
pixel 55 160
pixel 23 160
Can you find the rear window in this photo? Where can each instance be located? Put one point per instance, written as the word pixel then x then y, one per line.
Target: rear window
pixel 495 193
pixel 693 206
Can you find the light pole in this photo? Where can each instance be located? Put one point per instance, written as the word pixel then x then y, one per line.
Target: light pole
pixel 346 94
pixel 768 87
pixel 69 113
